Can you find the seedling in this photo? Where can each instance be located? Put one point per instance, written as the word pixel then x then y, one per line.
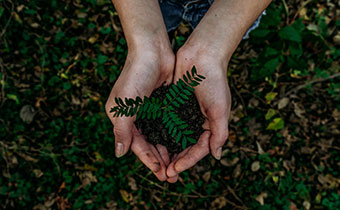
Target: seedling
pixel 152 108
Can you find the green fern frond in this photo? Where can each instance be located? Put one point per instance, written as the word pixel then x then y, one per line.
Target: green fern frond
pixel 152 108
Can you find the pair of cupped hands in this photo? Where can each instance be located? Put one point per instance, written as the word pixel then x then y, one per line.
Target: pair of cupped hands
pixel 151 64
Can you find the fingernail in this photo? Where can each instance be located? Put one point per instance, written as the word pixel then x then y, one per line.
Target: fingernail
pixel 119 150
pixel 218 153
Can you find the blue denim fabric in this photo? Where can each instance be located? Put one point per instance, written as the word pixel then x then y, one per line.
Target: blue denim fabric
pixel 190 11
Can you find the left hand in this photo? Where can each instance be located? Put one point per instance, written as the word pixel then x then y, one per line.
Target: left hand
pixel 214 98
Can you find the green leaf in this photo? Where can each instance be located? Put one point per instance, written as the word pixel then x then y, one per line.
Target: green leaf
pixel 134 110
pixel 174 132
pixel 184 96
pixel 128 101
pixel 138 100
pixel 180 100
pixel 198 79
pixel 290 33
pixel 116 101
pixel 187 92
pixel 183 126
pixel 144 115
pixel 194 83
pixel 185 78
pixel 168 124
pixel 188 75
pixel 338 23
pixel 268 69
pixel 189 88
pixel 165 118
pixel 139 114
pixel 192 140
pixel 179 135
pixel 276 124
pixel 154 115
pixel 176 104
pixel 169 97
pixel 260 33
pixel 179 122
pixel 270 96
pixel 188 132
pixel 184 143
pixel 175 88
pixel 200 76
pixel 121 102
pixel 170 128
pixel 14 98
pixel 165 102
pixel 270 114
pixel 180 84
pixel 1 11
pixel 193 70
pixel 101 59
pixel 172 92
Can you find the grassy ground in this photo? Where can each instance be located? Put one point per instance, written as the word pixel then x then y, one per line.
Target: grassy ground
pixel 59 61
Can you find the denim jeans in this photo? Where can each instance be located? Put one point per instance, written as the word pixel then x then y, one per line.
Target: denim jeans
pixel 190 11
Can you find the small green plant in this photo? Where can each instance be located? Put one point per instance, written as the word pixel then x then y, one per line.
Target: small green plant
pixel 152 108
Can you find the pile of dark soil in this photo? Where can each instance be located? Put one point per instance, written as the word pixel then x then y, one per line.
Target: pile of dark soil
pixel 155 131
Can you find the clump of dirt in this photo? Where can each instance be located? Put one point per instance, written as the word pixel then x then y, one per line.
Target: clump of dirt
pixel 155 131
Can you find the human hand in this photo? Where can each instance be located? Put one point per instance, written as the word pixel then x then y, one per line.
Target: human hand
pixel 145 69
pixel 214 98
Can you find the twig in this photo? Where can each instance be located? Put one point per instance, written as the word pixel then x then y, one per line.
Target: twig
pixel 2 98
pixel 9 20
pixel 239 95
pixel 190 196
pixel 165 189
pixel 232 191
pixel 286 10
pixel 5 156
pixel 312 82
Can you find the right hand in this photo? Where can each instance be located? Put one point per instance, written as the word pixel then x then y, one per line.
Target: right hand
pixel 144 71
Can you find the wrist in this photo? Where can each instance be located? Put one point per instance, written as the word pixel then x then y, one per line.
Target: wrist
pixel 205 50
pixel 155 56
pixel 157 43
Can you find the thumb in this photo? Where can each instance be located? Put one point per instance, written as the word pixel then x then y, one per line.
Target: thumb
pixel 219 135
pixel 123 135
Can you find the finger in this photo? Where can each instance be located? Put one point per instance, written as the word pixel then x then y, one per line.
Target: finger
pixel 145 153
pixel 218 124
pixel 163 153
pixel 172 179
pixel 161 174
pixel 195 154
pixel 219 135
pixel 171 172
pixel 123 135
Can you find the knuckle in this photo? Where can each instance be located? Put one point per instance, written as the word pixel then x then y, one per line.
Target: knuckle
pixel 225 135
pixel 119 132
pixel 162 178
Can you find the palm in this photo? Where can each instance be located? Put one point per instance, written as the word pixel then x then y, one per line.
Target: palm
pixel 213 96
pixel 139 78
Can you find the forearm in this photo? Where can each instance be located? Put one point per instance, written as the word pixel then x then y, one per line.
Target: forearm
pixel 142 22
pixel 225 23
